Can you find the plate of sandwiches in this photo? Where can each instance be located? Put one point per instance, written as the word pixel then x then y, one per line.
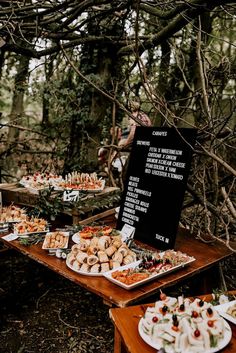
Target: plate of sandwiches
pixel 186 326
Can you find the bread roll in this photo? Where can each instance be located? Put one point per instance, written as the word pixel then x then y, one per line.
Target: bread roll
pixel 92 260
pixel 105 267
pixel 102 256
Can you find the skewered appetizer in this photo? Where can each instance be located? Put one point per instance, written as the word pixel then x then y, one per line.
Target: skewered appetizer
pixel 182 325
pixel 12 214
pixel 35 225
pixel 82 181
pixel 99 254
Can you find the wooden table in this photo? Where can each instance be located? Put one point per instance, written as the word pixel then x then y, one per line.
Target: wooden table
pixel 207 257
pixel 19 195
pixel 127 338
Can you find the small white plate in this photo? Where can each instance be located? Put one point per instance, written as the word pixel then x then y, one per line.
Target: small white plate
pixel 76 238
pixel 222 308
pixel 48 235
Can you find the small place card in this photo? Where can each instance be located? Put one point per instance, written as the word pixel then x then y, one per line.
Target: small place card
pixel 71 195
pixel 10 237
pixel 127 232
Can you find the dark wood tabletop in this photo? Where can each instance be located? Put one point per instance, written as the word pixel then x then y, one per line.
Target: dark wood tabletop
pixel 207 257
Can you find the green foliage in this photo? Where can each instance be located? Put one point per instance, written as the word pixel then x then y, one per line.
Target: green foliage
pixel 94 204
pixel 32 239
pixel 49 204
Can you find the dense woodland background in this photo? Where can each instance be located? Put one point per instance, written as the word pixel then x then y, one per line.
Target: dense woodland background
pixel 70 70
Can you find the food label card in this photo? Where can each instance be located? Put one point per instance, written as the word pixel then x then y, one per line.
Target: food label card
pixel 71 195
pixel 127 232
pixel 155 184
pixel 10 237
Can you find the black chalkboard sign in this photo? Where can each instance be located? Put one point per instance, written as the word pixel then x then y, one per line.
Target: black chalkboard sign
pixel 155 184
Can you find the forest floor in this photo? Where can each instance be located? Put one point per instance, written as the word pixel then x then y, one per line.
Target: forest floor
pixel 42 312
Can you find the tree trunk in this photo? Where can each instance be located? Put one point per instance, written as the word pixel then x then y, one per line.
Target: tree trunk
pixel 101 66
pixel 17 109
pixel 2 58
pixel 48 69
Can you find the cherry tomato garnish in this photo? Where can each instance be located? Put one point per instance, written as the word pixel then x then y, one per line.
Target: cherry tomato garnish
pixel 175 328
pixel 210 323
pixel 195 314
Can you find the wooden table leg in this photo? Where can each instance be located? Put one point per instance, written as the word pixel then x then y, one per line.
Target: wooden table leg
pixel 118 342
pixel 210 280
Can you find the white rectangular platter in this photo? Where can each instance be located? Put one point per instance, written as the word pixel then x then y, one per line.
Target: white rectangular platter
pixel 108 275
pixel 26 235
pixel 36 191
